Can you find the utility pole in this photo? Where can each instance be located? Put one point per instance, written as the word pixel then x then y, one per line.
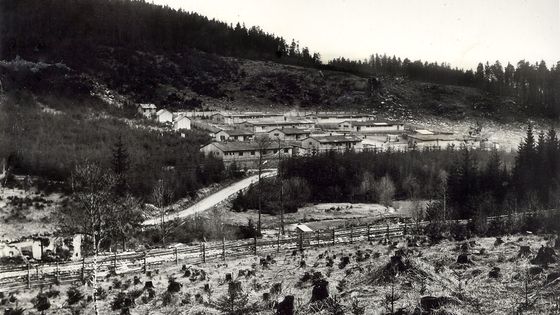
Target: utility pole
pixel 263 143
pixel 279 176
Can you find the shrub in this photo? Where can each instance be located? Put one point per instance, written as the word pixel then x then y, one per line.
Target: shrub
pixel 52 293
pixel 74 295
pixel 235 301
pixel 122 301
pixel 169 298
pixel 14 311
pixel 100 293
pixel 42 303
pixel 173 286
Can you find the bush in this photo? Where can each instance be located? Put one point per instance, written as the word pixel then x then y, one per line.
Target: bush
pixel 100 293
pixel 235 301
pixel 169 298
pixel 52 293
pixel 434 231
pixel 42 303
pixel 173 286
pixel 14 311
pixel 122 301
pixel 74 295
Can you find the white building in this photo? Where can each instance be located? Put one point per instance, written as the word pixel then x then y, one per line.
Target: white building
pixel 147 110
pixel 320 144
pixel 164 116
pixel 182 123
pixel 371 126
pixel 234 135
pixel 289 133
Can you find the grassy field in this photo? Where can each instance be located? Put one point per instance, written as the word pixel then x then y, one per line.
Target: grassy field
pixel 363 283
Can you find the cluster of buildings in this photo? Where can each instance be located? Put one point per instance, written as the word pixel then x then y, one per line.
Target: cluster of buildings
pixel 178 121
pixel 235 134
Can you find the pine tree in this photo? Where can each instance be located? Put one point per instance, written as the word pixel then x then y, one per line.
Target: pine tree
pixel 523 172
pixel 121 165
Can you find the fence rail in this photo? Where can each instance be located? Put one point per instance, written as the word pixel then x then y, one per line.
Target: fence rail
pixel 33 275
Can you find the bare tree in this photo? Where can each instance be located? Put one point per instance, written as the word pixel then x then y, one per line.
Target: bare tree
pixel 161 198
pixel 91 213
pixel 385 191
pixel 127 217
pixel 417 213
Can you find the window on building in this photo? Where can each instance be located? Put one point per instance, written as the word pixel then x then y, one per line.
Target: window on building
pixel 240 153
pixel 252 152
pixel 286 150
pixel 275 151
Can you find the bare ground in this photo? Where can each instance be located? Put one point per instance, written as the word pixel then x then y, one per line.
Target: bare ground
pixel 430 271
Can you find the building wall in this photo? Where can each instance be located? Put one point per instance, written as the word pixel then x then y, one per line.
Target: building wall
pixel 184 123
pixel 165 117
pixel 378 128
pixel 149 113
pixel 311 146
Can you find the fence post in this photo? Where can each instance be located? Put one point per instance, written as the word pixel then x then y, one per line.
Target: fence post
pixel 145 267
pixel 278 243
pixel 368 236
pixel 318 238
pixel 176 256
pixel 203 252
pixel 28 275
pixel 83 268
pixel 37 272
pixel 115 261
pixel 387 236
pixel 223 248
pixel 57 274
pixel 333 237
pixel 351 235
pixel 255 243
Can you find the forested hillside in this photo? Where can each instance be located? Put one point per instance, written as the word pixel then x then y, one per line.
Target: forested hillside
pixel 150 53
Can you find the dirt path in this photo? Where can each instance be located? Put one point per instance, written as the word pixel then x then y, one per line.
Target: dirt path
pixel 213 199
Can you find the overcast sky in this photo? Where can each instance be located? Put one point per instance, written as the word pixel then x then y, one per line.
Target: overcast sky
pixel 460 32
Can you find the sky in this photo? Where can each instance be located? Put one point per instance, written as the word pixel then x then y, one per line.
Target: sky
pixel 459 32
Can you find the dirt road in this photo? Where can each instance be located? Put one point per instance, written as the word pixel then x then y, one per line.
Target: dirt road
pixel 213 199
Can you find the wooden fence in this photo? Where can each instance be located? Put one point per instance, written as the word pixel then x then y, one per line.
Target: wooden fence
pixel 32 275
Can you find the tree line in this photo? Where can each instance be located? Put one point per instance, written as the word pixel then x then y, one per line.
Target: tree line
pixel 532 87
pixel 461 184
pixel 71 30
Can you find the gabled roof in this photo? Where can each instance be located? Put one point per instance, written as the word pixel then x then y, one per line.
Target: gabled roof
pixel 238 132
pixel 373 123
pixel 335 139
pixel 162 111
pixel 181 117
pixel 147 106
pixel 245 146
pixel 278 123
pixel 292 131
pixel 304 228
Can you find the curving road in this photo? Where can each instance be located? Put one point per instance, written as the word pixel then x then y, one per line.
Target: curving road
pixel 214 199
